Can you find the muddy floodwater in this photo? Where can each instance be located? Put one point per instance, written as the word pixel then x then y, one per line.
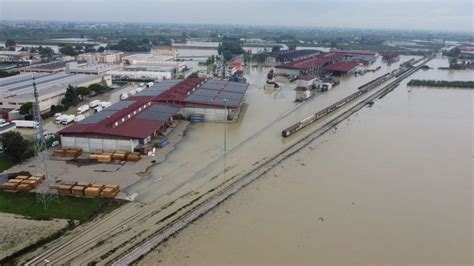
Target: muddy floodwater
pixel 390 185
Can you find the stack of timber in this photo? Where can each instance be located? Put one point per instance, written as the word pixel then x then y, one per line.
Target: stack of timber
pixel 23 182
pixel 134 157
pixel 74 153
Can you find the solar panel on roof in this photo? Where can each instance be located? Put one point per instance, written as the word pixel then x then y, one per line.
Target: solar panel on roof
pixel 237 89
pixel 212 86
pixel 150 93
pixel 154 116
pixel 205 92
pixel 97 117
pixel 120 105
pixel 230 102
pixel 162 108
pixel 199 98
pixel 230 95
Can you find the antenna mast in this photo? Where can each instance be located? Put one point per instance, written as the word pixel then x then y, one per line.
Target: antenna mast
pixel 44 193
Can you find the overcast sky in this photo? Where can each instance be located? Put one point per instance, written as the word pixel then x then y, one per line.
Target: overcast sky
pixel 443 15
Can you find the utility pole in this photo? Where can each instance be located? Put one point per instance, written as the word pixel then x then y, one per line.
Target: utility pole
pixel 44 193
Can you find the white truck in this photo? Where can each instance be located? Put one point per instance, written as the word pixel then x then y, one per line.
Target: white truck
pixel 123 96
pixel 79 118
pixel 132 92
pixel 139 89
pixel 68 119
pixel 82 109
pixel 94 103
pixel 149 84
pixel 105 104
pixel 25 123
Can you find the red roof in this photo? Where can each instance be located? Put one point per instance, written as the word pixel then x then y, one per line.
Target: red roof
pixel 128 120
pixel 311 62
pixel 343 67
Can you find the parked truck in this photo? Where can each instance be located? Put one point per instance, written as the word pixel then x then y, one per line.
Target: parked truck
pixel 94 103
pixel 68 119
pixel 25 123
pixel 82 109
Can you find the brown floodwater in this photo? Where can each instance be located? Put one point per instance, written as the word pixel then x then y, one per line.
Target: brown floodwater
pixel 390 185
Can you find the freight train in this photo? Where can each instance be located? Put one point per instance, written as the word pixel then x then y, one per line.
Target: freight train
pixel 399 74
pixel 361 90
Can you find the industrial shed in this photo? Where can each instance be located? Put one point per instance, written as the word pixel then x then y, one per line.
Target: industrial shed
pixel 140 118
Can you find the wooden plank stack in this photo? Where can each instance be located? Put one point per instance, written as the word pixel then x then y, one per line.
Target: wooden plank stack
pixel 74 153
pixel 108 156
pixel 86 189
pixel 24 182
pixel 134 157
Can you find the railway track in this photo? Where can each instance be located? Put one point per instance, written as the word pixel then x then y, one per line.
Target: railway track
pixel 201 209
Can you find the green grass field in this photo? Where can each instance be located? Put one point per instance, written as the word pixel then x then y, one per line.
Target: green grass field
pixel 71 208
pixel 5 163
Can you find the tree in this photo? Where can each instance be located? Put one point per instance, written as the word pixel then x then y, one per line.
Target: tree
pixel 83 92
pixel 68 50
pixel 97 88
pixel 10 43
pixel 71 98
pixel 276 48
pixel 101 49
pixel 45 51
pixel 57 109
pixel 26 110
pixel 15 146
pixel 292 46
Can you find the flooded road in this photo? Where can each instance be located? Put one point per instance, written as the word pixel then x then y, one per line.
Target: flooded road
pixel 392 185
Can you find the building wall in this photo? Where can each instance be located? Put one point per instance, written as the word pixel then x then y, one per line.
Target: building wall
pixel 89 144
pixel 210 114
pixel 284 71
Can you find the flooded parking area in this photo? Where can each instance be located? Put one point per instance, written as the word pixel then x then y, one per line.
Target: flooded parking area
pixel 390 185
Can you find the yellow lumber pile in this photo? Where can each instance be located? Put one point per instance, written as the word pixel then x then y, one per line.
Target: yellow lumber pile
pixel 92 191
pixel 22 177
pixel 24 187
pixel 16 181
pixel 134 157
pixel 109 192
pixel 97 185
pixel 78 190
pixel 119 155
pixel 84 184
pixel 73 153
pixel 65 189
pixel 60 153
pixel 104 158
pixel 10 186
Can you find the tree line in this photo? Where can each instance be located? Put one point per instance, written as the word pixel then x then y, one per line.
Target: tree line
pixel 442 83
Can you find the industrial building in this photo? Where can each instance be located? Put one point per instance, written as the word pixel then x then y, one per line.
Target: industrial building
pixel 285 56
pixel 140 118
pixel 53 67
pixel 341 67
pixel 152 60
pixel 9 56
pixel 311 64
pixel 365 57
pixel 90 68
pixel 107 57
pixel 17 90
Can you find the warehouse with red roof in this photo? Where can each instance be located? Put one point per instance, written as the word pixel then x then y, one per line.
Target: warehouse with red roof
pixel 140 118
pixel 341 67
pixel 308 65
